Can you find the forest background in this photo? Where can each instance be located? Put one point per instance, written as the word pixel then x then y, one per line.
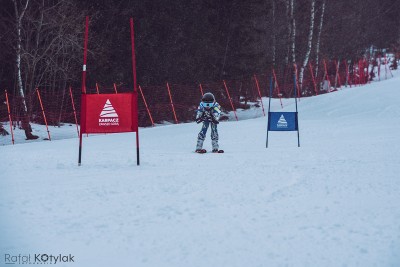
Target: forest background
pixel 182 41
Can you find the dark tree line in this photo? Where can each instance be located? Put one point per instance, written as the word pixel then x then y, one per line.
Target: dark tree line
pixel 181 41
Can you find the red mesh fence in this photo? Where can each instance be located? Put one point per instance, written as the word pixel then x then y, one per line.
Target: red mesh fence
pixel 231 94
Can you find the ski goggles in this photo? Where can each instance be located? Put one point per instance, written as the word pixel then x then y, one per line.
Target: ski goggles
pixel 208 105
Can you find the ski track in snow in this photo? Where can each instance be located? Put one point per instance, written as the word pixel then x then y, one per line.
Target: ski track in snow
pixel 332 202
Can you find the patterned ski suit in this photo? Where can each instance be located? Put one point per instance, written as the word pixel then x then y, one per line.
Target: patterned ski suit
pixel 210 116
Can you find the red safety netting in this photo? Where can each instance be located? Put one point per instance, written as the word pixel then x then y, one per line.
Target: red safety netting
pixel 177 103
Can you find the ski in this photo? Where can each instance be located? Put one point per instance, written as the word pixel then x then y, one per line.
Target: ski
pixel 202 151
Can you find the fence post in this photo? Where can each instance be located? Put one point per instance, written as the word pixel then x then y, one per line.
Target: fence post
pixel 44 115
pixel 201 90
pixel 230 99
pixel 360 73
pixel 313 78
pixel 259 93
pixel 172 103
pixel 73 107
pixel 9 118
pixel 147 108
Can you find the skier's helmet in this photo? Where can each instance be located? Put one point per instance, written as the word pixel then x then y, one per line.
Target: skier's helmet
pixel 208 100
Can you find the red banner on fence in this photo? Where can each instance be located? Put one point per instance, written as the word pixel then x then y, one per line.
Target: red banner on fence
pixel 109 113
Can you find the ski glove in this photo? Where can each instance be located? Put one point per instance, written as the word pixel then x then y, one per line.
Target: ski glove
pixel 207 116
pixel 214 120
pixel 199 119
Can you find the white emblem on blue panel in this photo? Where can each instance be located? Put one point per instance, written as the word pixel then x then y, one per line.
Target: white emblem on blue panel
pixel 282 123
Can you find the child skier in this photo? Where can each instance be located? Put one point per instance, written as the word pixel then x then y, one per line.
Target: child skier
pixel 208 112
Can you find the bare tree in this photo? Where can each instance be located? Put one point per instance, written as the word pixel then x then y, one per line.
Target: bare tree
pixel 273 33
pixel 317 46
pixel 20 11
pixel 293 31
pixel 47 48
pixel 289 30
pixel 309 43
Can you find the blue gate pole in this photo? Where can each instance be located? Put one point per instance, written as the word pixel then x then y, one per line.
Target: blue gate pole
pixel 269 107
pixel 295 98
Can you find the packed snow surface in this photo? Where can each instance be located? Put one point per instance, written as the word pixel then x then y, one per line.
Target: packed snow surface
pixel 335 201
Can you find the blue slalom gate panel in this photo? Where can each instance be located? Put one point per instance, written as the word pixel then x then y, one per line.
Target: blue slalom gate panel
pixel 283 121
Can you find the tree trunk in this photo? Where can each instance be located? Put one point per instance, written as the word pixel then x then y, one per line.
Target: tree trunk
pixel 293 36
pixel 289 31
pixel 273 33
pixel 25 121
pixel 309 45
pixel 321 22
pixel 227 40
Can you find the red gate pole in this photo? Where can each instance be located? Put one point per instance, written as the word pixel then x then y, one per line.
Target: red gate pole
pixel 9 118
pixel 277 86
pixel 147 108
pixel 259 93
pixel 44 115
pixel 230 99
pixel 73 107
pixel 201 90
pixel 360 73
pixel 97 88
pixel 83 90
pixel 133 56
pixel 85 56
pixel 172 103
pixel 115 88
pixel 134 84
pixel 313 78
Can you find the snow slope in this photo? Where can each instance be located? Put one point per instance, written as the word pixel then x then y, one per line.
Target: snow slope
pixel 335 201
